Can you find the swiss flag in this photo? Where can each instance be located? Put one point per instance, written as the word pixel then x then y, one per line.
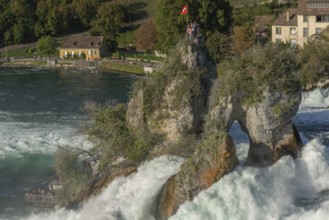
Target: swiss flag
pixel 184 10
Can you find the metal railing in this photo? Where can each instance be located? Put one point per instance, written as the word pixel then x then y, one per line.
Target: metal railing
pixel 170 55
pixel 43 200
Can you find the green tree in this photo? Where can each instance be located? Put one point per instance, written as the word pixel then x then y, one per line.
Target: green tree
pixel 219 46
pixel 46 45
pixel 108 22
pixel 146 36
pixel 242 38
pixel 212 15
pixel 85 10
pixel 18 33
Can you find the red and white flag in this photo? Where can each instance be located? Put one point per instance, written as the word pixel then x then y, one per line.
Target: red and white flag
pixel 184 10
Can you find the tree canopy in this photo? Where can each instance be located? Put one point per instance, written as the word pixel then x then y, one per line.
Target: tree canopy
pixel 27 20
pixel 108 21
pixel 46 45
pixel 212 16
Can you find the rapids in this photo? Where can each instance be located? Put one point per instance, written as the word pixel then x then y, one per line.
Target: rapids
pixel 290 189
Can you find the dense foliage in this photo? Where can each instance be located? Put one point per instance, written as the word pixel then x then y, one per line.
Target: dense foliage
pixel 248 75
pixel 27 20
pixel 146 38
pixel 46 45
pixel 108 22
pixel 313 60
pixel 109 127
pixel 212 15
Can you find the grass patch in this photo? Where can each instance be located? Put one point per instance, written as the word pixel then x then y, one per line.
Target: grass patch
pixel 122 67
pixel 29 52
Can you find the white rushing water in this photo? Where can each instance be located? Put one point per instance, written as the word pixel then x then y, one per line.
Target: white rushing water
pixel 290 189
pixel 267 193
pixel 19 137
pixel 318 98
pixel 129 197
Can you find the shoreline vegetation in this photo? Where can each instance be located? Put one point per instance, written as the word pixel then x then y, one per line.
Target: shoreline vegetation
pixel 131 67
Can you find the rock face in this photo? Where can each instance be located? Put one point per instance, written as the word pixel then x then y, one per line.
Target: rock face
pixel 215 158
pixel 267 122
pixel 270 128
pixel 183 105
pixel 271 132
pixel 268 125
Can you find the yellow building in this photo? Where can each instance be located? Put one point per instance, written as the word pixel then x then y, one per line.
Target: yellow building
pixel 297 25
pixel 84 47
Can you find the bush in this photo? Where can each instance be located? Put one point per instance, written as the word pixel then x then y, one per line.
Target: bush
pixel 146 36
pixel 74 180
pixel 108 126
pixel 314 63
pixel 218 45
pixel 248 75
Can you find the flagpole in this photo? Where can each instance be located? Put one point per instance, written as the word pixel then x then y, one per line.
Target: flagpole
pixel 187 11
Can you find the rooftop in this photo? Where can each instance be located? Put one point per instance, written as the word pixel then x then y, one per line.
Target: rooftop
pixel 313 7
pixel 80 41
pixel 289 18
pixel 262 23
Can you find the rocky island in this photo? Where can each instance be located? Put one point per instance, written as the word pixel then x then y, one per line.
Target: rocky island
pixel 187 109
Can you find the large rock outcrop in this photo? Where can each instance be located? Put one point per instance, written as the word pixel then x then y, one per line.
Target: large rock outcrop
pixel 182 103
pixel 268 125
pixel 264 112
pixel 212 160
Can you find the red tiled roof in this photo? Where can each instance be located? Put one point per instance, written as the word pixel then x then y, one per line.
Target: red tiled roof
pixel 283 21
pixel 304 10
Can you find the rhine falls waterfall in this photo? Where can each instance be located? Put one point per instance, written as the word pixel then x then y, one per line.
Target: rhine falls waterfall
pixel 290 189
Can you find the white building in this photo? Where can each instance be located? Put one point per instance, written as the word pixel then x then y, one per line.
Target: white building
pixel 296 25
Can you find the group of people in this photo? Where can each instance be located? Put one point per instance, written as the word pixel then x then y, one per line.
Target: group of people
pixel 35 191
pixel 192 30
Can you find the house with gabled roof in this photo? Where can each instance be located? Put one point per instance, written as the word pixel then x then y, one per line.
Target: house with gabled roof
pixel 84 47
pixel 298 24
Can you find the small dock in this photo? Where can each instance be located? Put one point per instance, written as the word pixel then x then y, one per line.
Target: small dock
pixel 47 200
pixel 43 197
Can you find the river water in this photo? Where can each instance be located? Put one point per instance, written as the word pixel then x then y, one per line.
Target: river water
pixel 31 132
pixel 41 109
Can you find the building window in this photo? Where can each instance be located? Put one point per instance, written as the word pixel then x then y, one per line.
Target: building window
pixel 322 18
pixel 318 30
pixel 305 18
pixel 278 30
pixel 305 32
pixel 317 5
pixel 292 31
pixel 95 52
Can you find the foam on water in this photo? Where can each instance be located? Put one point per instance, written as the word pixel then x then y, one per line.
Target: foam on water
pixel 130 197
pixel 267 193
pixel 318 98
pixel 18 137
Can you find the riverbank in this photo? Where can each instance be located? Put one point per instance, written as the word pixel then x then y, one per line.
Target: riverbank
pixel 139 68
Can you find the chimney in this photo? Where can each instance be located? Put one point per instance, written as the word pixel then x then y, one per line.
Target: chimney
pixel 288 15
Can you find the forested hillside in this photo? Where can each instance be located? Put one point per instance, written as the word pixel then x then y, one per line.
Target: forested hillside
pixel 27 20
